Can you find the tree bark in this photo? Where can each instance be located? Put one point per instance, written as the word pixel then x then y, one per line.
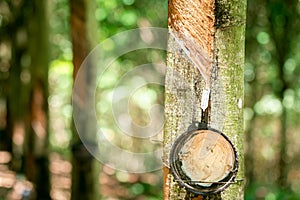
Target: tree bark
pixel 206 36
pixel 85 171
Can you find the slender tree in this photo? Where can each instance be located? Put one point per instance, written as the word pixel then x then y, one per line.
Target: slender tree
pixel 207 37
pixel 85 171
pixel 283 39
pixel 36 149
pixel 6 42
pixel 27 108
pixel 17 108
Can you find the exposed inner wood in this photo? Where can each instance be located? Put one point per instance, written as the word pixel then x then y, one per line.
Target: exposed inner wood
pixel 192 23
pixel 207 157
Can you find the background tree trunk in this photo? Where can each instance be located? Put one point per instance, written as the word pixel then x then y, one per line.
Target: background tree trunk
pixel 211 38
pixel 85 171
pixel 17 108
pixel 27 107
pixel 283 45
pixel 36 149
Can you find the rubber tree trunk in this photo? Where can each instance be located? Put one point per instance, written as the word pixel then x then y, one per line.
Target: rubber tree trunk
pixel 18 85
pixel 85 169
pixel 36 149
pixel 5 124
pixel 205 51
pixel 283 40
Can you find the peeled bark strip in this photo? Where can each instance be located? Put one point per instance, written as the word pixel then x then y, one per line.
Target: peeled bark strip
pixel 192 24
pixel 207 36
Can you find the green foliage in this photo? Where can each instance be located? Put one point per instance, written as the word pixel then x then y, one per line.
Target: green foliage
pixel 272 98
pixel 115 16
pixel 60 88
pixel 270 192
pixel 59 14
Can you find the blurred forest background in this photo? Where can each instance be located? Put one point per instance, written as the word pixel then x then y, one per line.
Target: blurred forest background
pixel 36 70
